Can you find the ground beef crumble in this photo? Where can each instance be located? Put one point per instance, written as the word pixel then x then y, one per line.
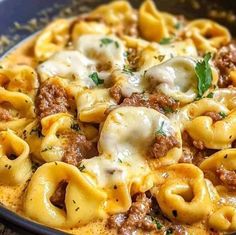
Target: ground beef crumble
pixel 157 101
pixel 162 145
pixel 52 99
pixel 58 198
pixel 214 116
pixel 228 178
pixel 5 115
pixel 77 148
pixel 135 218
pixel 225 61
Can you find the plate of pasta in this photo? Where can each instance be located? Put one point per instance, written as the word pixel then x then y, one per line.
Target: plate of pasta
pixel 121 120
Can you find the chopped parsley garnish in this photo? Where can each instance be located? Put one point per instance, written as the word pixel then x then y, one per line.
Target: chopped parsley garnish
pixel 107 41
pixel 222 114
pixel 94 76
pixel 165 41
pixel 120 160
pixel 128 70
pixel 168 110
pixel 158 224
pixel 204 75
pixel 161 131
pixel 81 167
pixel 178 25
pixel 75 126
pixel 210 95
pixel 169 231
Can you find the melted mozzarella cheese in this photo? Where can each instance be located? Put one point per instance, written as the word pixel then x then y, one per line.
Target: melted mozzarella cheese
pixel 102 49
pixel 176 77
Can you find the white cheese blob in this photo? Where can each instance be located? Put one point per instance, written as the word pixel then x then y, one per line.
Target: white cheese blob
pixel 175 77
pixel 102 49
pixel 71 65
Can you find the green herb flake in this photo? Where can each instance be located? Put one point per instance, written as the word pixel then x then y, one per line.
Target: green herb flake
pixel 94 76
pixel 210 95
pixel 81 168
pixel 75 126
pixel 168 110
pixel 165 41
pixel 161 131
pixel 107 41
pixel 120 160
pixel 128 70
pixel 1 67
pixel 178 25
pixel 204 74
pixel 169 231
pixel 157 222
pixel 222 114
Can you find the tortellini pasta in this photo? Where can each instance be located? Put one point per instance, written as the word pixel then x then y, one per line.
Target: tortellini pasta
pixel 15 163
pixel 207 35
pixel 53 38
pixel 82 200
pixel 183 196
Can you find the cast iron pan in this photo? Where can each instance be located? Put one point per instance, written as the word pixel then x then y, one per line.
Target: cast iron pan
pixel 13 12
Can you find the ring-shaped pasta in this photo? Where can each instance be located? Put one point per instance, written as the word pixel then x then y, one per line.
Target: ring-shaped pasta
pixel 226 96
pixel 15 163
pixel 224 219
pixel 52 145
pixel 196 109
pixel 183 196
pixel 52 39
pixel 18 106
pixel 202 128
pixel 20 78
pixel 207 35
pixel 223 158
pixel 83 201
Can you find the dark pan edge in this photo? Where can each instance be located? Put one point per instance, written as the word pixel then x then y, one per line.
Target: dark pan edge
pixel 26 224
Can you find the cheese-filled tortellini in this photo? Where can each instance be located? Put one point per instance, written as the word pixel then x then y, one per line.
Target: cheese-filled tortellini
pixel 176 77
pixel 207 35
pixel 15 163
pixel 52 39
pixel 183 196
pixel 16 110
pixel 20 78
pixel 92 104
pixel 83 202
pixel 151 22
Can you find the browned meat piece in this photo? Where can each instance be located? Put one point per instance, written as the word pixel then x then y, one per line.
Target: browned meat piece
pixel 77 147
pixel 116 221
pixel 133 58
pixel 115 93
pixel 52 99
pixel 198 144
pixel 58 198
pixel 228 178
pixel 157 101
pixel 225 61
pixel 162 145
pixel 5 115
pixel 187 155
pixel 136 217
pixel 215 116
